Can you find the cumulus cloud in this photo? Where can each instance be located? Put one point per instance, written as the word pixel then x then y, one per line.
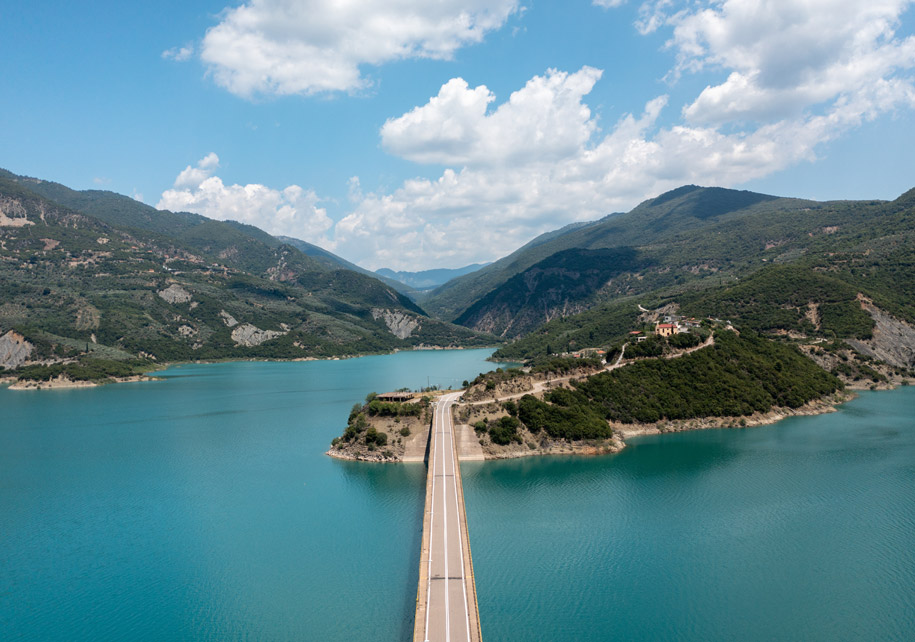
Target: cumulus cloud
pixel 783 56
pixel 789 75
pixel 794 75
pixel 312 46
pixel 545 119
pixel 291 211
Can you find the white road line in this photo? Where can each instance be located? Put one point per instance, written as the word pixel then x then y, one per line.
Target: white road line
pixel 431 530
pixel 445 525
pixel 460 534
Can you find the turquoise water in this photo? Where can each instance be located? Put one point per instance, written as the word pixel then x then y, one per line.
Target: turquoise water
pixel 804 530
pixel 202 507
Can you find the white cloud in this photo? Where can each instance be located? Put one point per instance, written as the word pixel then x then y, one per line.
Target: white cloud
pixel 179 54
pixel 546 119
pixel 794 75
pixel 783 57
pixel 608 4
pixel 312 46
pixel 292 211
pixel 191 177
pixel 790 76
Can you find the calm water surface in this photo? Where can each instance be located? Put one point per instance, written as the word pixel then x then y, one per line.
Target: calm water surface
pixel 804 530
pixel 202 507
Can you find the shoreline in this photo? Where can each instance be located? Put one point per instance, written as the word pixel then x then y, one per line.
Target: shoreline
pixel 623 432
pixel 13 383
pixel 821 406
pixel 65 383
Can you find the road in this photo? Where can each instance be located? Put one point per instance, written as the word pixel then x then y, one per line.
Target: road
pixel 448 610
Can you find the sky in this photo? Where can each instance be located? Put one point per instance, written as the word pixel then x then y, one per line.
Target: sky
pixel 416 134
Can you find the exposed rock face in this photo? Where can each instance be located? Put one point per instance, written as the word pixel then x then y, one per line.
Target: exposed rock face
pixel 893 341
pixel 14 350
pixel 187 331
pixel 399 323
pixel 228 319
pixel 175 294
pixel 12 214
pixel 248 335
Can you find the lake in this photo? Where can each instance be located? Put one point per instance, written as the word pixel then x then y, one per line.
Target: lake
pixel 202 507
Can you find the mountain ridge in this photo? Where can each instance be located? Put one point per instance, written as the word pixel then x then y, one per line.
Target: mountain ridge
pixel 77 286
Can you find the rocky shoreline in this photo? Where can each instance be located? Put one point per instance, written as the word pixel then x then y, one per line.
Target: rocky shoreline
pixel 816 407
pixel 64 382
pixel 539 446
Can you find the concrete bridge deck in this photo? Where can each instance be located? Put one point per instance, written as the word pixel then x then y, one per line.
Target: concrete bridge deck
pixel 446 600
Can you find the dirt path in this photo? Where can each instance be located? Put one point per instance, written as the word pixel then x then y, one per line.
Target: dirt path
pixel 540 386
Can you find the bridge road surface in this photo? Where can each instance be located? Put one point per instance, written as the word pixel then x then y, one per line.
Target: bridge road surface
pixel 446 604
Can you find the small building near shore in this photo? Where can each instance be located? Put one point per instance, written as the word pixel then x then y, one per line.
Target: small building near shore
pixel 395 396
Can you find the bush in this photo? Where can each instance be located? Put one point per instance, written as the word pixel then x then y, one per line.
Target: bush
pixel 569 416
pixel 505 430
pixel 375 438
pixel 684 340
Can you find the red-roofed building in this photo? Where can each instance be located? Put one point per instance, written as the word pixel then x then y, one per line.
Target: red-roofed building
pixel 666 329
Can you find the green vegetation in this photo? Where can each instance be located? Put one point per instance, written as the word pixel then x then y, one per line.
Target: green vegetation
pixel 565 417
pixel 85 369
pixel 736 377
pixel 504 430
pixel 559 281
pixel 563 365
pixel 600 326
pixel 653 346
pixel 377 408
pixel 773 265
pixel 780 297
pixel 86 275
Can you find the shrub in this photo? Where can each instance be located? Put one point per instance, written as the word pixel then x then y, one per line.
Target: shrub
pixel 505 430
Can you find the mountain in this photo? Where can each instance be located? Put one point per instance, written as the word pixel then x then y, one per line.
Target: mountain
pixel 842 272
pixel 686 236
pixel 97 274
pixel 428 279
pixel 331 260
pixel 559 285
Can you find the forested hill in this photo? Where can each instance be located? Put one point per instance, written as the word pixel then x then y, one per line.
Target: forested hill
pixel 675 216
pixel 96 274
pixel 852 280
pixel 737 377
pixel 697 239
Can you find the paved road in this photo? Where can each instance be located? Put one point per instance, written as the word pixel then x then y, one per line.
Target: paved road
pixel 450 609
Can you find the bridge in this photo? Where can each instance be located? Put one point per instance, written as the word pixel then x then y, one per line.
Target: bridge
pixel 446 599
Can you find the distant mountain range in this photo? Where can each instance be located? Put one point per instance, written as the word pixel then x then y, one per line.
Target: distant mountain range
pixel 98 274
pixel 428 279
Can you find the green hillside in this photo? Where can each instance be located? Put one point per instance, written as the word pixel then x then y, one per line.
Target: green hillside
pixel 804 279
pixel 658 228
pixel 738 376
pixel 125 285
pixel 562 283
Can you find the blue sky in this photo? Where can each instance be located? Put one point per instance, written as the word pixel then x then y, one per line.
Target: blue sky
pixel 415 134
